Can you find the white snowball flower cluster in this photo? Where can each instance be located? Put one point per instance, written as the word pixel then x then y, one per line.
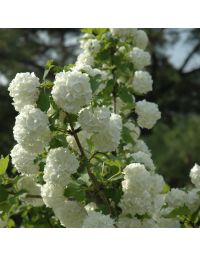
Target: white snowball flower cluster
pixel 143 158
pixel 71 91
pixel 103 125
pixel 24 90
pixel 97 220
pixel 29 184
pixel 141 39
pixel 140 58
pixel 71 214
pixel 123 33
pixel 134 130
pixel 148 114
pixel 24 160
pixel 85 58
pixel 52 195
pixel 91 45
pixel 140 145
pixel 60 164
pixel 176 198
pixel 31 129
pixel 195 175
pixel 139 190
pixel 142 82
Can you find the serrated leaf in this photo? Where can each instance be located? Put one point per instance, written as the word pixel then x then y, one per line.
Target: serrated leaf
pixel 4 164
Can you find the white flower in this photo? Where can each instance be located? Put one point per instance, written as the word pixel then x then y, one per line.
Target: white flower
pixel 136 186
pixel 168 223
pixel 97 220
pixel 108 138
pixel 176 198
pixel 85 58
pixel 195 175
pixel 139 58
pixel 148 223
pixel 92 120
pixel 141 39
pixel 33 189
pixel 142 82
pixel 123 32
pixel 60 164
pixel 71 91
pixel 143 158
pixel 140 145
pixel 52 195
pixel 148 114
pixel 193 199
pixel 91 45
pixel 23 160
pixel 31 129
pixel 24 90
pixel 83 136
pixel 134 130
pixel 125 222
pixel 91 207
pixel 71 214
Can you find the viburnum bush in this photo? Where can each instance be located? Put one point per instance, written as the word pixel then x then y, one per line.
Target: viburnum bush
pixel 79 160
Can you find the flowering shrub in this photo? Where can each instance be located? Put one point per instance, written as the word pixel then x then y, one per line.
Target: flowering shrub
pixel 79 155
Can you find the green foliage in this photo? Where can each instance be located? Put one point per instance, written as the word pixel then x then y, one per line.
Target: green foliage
pixel 4 164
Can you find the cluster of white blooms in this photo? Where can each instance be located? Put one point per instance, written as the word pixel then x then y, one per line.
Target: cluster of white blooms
pixel 103 125
pixel 142 82
pixel 52 195
pixel 141 39
pixel 143 158
pixel 31 129
pixel 195 175
pixel 29 184
pixel 134 130
pixel 24 90
pixel 139 187
pixel 148 114
pixel 71 214
pixel 90 45
pixel 60 164
pixel 24 160
pixel 140 145
pixel 71 91
pixel 97 220
pixel 176 198
pixel 140 58
pixel 123 33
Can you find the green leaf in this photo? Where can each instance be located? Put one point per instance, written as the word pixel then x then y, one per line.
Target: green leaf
pixel 49 65
pixel 3 194
pixel 94 82
pixel 113 162
pixel 125 96
pixel 43 101
pixel 75 191
pixel 126 137
pixel 4 164
pixel 180 211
